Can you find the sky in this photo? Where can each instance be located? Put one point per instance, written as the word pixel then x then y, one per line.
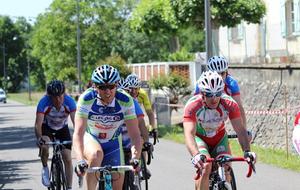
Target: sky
pixel 25 8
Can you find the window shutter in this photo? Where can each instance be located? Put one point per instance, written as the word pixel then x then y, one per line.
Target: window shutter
pixel 297 17
pixel 282 18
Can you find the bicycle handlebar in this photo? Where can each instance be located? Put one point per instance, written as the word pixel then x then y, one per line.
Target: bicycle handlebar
pixel 109 168
pixel 251 166
pixel 58 142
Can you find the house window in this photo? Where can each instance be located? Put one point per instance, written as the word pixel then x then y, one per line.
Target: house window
pixel 290 18
pixel 236 34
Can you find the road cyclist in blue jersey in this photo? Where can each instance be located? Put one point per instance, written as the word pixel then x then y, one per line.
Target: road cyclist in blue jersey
pixel 52 115
pixel 101 113
pixel 220 65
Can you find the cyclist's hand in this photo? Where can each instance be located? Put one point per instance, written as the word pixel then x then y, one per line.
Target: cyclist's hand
pixel 40 142
pixel 81 167
pixel 198 161
pixel 250 156
pixel 148 146
pixel 154 134
pixel 135 164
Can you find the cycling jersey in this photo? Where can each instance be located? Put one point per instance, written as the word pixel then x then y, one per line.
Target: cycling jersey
pixel 231 86
pixel 105 121
pixel 125 137
pixel 297 119
pixel 210 122
pixel 143 99
pixel 296 133
pixel 56 119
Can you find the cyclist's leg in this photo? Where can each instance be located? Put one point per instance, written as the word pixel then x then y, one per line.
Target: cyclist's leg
pixel 93 153
pixel 223 148
pixel 114 156
pixel 203 181
pixel 44 154
pixel 64 135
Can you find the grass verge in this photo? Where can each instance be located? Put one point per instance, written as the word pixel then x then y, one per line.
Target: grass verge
pixel 275 157
pixel 24 97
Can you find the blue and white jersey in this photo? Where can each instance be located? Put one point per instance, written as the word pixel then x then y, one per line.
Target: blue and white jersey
pixel 105 121
pixel 125 137
pixel 56 119
pixel 231 87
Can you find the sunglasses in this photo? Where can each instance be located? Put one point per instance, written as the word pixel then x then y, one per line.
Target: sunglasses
pixel 210 95
pixel 105 87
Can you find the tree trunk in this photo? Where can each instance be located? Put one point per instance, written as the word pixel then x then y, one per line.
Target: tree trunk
pixel 174 44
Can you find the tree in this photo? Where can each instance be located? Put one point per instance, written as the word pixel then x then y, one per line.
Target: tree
pixel 13 43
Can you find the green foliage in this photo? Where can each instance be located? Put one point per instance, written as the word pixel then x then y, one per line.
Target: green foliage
pixel 117 62
pixel 154 15
pixel 159 82
pixel 11 36
pixel 182 55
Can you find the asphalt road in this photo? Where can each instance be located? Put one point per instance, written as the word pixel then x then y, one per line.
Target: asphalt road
pixel 20 166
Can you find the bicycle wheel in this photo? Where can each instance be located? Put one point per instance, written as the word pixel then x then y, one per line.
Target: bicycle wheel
pixel 62 175
pixel 144 171
pixel 233 182
pixel 55 180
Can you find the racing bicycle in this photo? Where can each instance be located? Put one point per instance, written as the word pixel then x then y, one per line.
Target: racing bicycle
pixel 58 179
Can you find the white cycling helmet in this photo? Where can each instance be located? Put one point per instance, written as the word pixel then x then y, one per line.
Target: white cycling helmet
pixel 134 81
pixel 123 84
pixel 210 82
pixel 218 64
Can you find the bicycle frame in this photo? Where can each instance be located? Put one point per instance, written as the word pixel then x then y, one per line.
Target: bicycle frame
pixel 57 165
pixel 105 178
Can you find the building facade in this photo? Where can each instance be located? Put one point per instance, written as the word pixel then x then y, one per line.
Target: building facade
pixel 274 40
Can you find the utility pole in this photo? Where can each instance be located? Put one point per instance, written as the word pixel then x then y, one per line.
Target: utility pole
pixel 208 31
pixel 4 67
pixel 78 48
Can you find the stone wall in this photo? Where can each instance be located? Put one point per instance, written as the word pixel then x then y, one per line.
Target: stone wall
pixel 264 89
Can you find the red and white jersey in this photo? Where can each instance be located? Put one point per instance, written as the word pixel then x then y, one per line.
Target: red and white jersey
pixel 210 122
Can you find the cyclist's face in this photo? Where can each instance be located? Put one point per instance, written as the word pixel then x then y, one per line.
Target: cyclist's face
pixel 223 74
pixel 212 100
pixel 107 92
pixel 134 92
pixel 57 100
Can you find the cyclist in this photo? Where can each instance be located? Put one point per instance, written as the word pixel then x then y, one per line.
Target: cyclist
pixel 101 112
pixel 231 88
pixel 141 95
pixel 204 127
pixel 52 115
pixel 296 133
pixel 123 84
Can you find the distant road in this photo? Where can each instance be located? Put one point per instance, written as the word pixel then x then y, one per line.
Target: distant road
pixel 171 169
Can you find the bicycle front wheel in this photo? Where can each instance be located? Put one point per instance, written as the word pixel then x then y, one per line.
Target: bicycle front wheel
pixel 145 175
pixel 232 183
pixel 59 181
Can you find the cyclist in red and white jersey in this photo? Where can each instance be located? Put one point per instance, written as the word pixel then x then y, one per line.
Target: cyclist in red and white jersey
pixel 296 133
pixel 204 124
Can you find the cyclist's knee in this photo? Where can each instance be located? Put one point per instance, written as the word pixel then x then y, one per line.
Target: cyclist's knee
pixel 95 156
pixel 206 170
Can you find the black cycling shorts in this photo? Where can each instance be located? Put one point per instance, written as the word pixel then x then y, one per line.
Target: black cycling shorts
pixel 62 134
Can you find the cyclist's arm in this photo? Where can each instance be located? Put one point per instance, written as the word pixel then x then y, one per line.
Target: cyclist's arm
pixel 72 116
pixel 241 133
pixel 38 124
pixel 151 118
pixel 80 127
pixel 189 134
pixel 238 100
pixel 135 137
pixel 143 129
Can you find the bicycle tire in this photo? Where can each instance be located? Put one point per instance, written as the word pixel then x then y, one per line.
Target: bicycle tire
pixel 233 182
pixel 62 175
pixel 144 171
pixel 55 180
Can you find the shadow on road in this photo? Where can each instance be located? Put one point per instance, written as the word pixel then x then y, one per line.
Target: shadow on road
pixel 17 138
pixel 11 172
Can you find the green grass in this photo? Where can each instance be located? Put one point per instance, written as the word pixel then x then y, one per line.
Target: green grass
pixel 24 97
pixel 275 157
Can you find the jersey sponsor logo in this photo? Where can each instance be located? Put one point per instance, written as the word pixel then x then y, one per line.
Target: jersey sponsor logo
pixel 102 135
pixel 106 118
pixel 83 110
pixel 221 148
pixel 104 127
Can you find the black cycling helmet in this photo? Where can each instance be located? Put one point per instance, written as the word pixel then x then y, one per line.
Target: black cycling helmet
pixel 55 88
